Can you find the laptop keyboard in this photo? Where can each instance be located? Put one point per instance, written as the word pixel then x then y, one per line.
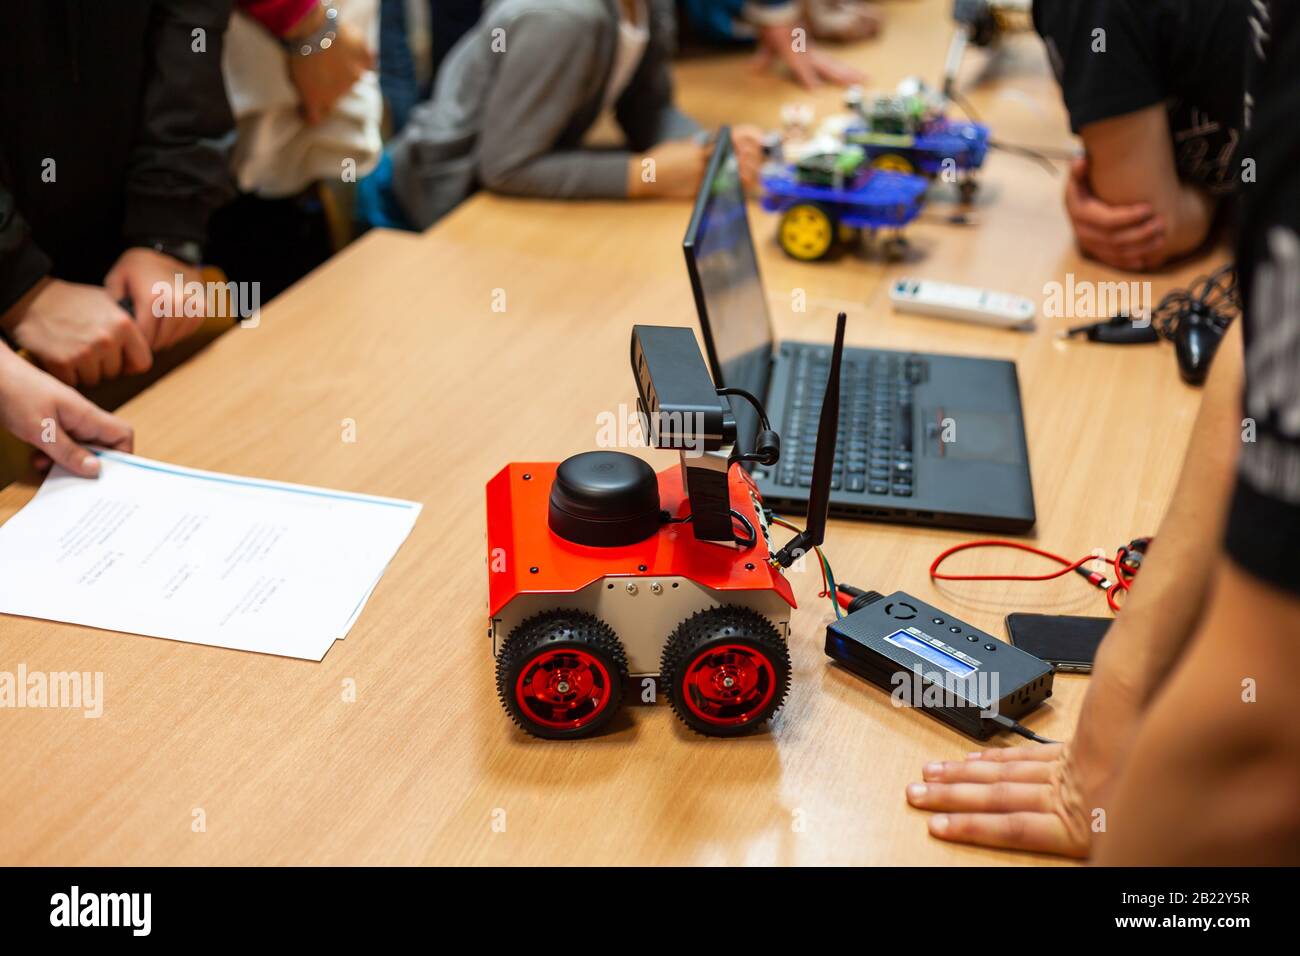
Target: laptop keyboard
pixel 873 447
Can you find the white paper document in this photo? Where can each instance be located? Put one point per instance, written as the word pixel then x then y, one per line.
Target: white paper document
pixel 156 549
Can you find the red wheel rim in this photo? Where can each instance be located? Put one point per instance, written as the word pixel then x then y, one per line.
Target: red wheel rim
pixel 565 689
pixel 729 684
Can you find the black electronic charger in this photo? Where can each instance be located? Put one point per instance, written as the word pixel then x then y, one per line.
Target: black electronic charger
pixel 926 658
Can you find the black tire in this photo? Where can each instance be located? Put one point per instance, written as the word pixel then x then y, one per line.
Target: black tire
pixel 716 643
pixel 560 674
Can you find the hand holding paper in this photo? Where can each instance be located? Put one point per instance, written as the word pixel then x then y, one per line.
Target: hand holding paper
pixel 54 418
pixel 156 549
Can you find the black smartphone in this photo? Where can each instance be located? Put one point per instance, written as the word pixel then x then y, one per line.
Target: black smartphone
pixel 1066 642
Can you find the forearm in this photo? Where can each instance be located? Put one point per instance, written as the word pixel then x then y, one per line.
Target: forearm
pixel 574 174
pixel 643 181
pixel 1190 219
pixel 1213 775
pixel 1131 160
pixel 1169 594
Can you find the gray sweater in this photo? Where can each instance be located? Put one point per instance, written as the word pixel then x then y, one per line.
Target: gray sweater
pixel 513 119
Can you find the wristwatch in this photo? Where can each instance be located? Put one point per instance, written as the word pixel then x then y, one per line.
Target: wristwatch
pixel 322 39
pixel 186 250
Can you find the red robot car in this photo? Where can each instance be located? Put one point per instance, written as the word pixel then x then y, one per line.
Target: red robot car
pixel 602 572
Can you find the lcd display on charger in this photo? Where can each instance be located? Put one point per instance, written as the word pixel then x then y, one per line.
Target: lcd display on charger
pixel 952 665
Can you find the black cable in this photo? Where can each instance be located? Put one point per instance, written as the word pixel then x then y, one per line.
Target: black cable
pixel 745 543
pixel 1045 152
pixel 964 103
pixel 749 397
pixel 1043 157
pixel 860 598
pixel 767 448
pixel 1215 297
pixel 1016 727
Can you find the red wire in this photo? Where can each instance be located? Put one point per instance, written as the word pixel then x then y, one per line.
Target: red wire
pixel 1123 574
pixel 1000 543
pixel 1123 578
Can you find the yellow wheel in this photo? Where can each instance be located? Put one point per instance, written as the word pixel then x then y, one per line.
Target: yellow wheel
pixel 892 162
pixel 806 232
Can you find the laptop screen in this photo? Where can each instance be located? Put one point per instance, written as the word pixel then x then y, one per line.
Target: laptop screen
pixel 728 289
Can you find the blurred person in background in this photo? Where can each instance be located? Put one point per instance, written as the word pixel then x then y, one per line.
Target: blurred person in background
pixel 407 65
pixel 113 154
pixel 516 98
pixel 301 84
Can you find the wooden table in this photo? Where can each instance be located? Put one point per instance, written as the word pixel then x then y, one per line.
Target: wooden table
pixel 400 335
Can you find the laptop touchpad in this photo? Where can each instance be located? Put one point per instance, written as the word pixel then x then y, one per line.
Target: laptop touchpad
pixel 967 435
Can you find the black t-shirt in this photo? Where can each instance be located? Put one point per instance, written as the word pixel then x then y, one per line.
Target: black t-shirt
pixel 1113 57
pixel 1264 523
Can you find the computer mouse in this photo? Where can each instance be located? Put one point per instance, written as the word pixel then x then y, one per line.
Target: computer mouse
pixel 1195 343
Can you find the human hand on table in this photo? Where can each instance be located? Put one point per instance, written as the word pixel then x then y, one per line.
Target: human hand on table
pixel 1126 237
pixel 148 279
pixel 78 333
pixel 1136 236
pixel 1044 798
pixel 809 67
pixel 54 419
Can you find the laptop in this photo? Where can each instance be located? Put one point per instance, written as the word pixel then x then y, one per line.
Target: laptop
pixel 924 438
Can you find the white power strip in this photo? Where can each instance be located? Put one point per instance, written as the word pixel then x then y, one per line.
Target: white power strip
pixel 966 303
